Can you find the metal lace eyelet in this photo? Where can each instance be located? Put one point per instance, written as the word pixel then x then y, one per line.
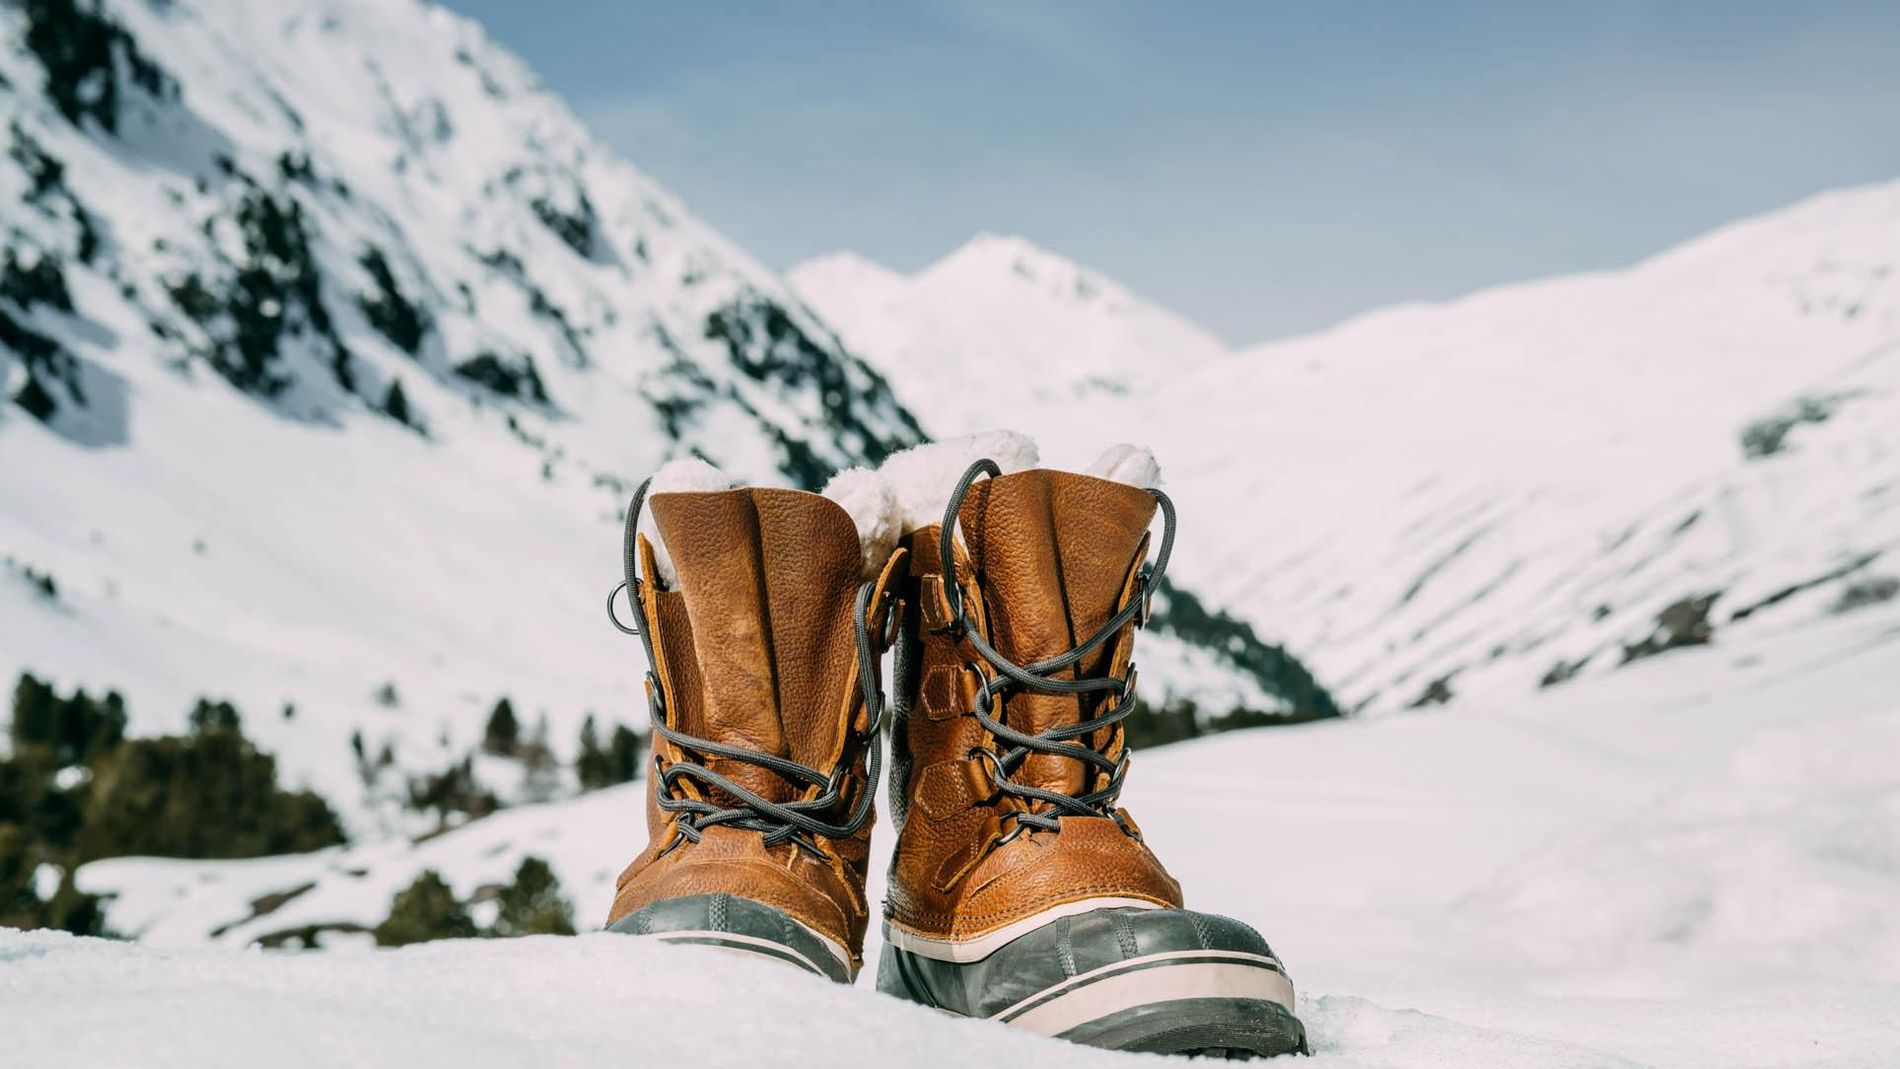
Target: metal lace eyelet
pixel 893 621
pixel 1016 827
pixel 990 758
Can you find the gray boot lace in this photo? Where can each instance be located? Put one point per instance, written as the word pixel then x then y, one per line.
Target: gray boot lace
pixel 799 822
pixel 1040 678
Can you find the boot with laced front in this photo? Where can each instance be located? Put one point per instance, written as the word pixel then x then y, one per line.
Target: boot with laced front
pixel 1020 890
pixel 764 695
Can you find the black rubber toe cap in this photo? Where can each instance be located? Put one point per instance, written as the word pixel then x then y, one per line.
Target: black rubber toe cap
pixel 735 923
pixel 1064 948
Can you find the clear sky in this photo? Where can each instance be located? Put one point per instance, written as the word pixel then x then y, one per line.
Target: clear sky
pixel 1262 168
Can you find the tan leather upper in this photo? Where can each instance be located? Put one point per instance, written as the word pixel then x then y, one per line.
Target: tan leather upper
pixel 757 648
pixel 1044 559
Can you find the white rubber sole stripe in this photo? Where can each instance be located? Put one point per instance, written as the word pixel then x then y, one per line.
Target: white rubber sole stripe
pixel 964 951
pixel 1171 957
pixel 746 944
pixel 1146 982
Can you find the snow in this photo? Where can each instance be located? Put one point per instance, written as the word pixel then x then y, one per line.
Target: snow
pixel 999 330
pixel 1693 862
pixel 594 1000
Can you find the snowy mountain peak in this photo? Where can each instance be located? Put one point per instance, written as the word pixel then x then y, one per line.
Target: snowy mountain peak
pixel 987 257
pixel 1000 310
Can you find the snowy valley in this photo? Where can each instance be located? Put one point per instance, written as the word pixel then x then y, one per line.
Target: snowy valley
pixel 332 345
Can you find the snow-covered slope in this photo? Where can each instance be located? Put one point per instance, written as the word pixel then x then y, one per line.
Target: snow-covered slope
pixel 1695 862
pixel 233 229
pixel 1000 329
pixel 1551 479
pixel 1436 502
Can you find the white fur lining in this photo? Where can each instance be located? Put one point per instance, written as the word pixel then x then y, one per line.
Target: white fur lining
pixel 685 475
pixel 923 476
pixel 909 491
pixel 1133 465
pixel 866 496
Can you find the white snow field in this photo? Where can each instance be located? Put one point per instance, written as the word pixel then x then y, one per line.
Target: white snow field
pixel 1694 862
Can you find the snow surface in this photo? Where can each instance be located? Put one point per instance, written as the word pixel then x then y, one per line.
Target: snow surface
pixel 1695 862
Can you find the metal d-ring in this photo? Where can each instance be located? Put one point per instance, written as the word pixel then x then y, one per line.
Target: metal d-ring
pixel 614 616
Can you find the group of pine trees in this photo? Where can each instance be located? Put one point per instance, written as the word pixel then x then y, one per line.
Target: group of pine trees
pixel 74 788
pixel 428 909
pixel 596 765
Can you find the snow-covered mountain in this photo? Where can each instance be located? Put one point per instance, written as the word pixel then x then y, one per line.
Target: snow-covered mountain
pixel 1536 482
pixel 331 346
pixel 999 330
pixel 334 345
pixel 1559 478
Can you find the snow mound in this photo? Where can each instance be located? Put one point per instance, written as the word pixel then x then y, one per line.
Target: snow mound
pixel 1789 859
pixel 593 1000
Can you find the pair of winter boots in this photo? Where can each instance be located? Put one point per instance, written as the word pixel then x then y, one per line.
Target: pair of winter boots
pixel 1019 890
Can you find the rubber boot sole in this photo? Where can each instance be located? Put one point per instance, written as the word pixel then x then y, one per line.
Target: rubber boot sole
pixel 729 922
pixel 1159 981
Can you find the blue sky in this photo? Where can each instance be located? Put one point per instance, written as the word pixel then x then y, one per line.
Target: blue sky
pixel 1261 168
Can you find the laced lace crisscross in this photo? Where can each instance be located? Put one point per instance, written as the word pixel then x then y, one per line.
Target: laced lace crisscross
pixel 801 822
pixel 1041 677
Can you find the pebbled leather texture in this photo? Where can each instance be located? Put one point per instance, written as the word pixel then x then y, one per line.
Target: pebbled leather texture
pixel 1044 558
pixel 757 648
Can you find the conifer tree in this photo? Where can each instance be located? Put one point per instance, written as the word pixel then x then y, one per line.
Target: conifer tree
pixel 625 751
pixel 427 909
pixel 533 904
pixel 19 904
pixel 210 794
pixel 502 736
pixel 396 404
pixel 593 766
pixel 33 712
pixel 209 716
pixel 541 775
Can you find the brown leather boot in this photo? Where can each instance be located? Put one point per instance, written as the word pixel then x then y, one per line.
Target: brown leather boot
pixel 1020 891
pixel 765 703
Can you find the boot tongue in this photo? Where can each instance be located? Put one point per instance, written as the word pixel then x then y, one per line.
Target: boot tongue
pixel 770 579
pixel 1053 551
